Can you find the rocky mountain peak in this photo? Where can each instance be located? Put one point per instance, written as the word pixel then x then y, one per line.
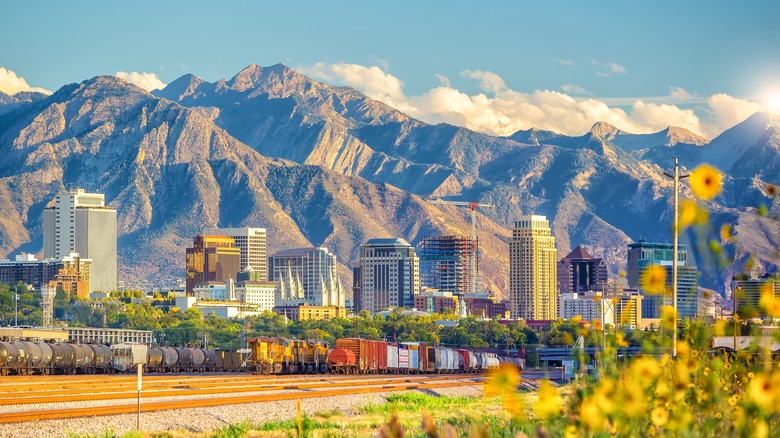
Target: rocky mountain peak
pixel 180 88
pixel 675 134
pixel 605 130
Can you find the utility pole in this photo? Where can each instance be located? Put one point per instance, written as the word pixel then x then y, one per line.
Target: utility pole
pixel 676 227
pixel 16 305
pixel 734 295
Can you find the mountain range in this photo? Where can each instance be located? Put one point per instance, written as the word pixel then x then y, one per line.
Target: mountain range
pixel 323 165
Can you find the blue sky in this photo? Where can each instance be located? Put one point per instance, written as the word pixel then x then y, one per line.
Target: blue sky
pixel 461 62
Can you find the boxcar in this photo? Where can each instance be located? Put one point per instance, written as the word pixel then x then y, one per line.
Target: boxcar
pixel 381 357
pixel 360 350
pixel 403 359
pixel 392 358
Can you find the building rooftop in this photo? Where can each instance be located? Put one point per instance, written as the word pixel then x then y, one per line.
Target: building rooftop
pixel 579 253
pixel 298 251
pixel 646 244
pixel 390 241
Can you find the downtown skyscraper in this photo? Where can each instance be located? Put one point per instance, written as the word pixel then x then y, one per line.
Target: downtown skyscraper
pixel 81 222
pixel 532 270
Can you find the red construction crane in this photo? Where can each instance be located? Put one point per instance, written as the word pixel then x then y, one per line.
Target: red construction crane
pixel 473 206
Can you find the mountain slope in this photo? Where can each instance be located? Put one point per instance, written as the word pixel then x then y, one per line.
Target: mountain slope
pixel 170 172
pixel 322 165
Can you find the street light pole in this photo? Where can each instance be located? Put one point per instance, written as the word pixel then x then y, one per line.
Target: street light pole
pixel 676 229
pixel 734 295
pixel 16 305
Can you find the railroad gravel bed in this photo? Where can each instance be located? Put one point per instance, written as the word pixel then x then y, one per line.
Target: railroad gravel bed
pixel 210 418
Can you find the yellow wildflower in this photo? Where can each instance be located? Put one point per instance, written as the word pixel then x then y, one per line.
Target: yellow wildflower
pixel 633 402
pixel 768 302
pixel 668 317
pixel 761 391
pixel 690 214
pixel 659 416
pixel 706 181
pixel 575 319
pixel 502 380
pixel 549 402
pixel 760 429
pixel 571 432
pixel 645 370
pixel 661 389
pixel 720 328
pixel 592 415
pixel 725 232
pixel 653 279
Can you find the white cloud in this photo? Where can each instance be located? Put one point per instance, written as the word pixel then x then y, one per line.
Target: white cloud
pixel 443 80
pixel 147 81
pixel 565 62
pixel 602 74
pixel 11 84
pixel 680 94
pixel 615 67
pixel 372 81
pixel 726 111
pixel 488 81
pixel 576 90
pixel 498 109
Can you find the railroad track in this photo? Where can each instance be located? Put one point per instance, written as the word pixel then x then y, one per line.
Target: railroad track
pixel 64 383
pixel 129 390
pixel 75 412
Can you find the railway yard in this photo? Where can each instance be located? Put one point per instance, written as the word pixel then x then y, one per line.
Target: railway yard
pixel 50 406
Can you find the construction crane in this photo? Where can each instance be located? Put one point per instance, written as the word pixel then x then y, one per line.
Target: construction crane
pixel 473 206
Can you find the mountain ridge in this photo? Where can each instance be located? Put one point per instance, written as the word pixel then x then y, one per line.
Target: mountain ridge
pixel 363 168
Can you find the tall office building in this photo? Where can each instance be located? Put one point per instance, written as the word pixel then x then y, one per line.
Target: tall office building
pixel 749 287
pixel 445 263
pixel 251 242
pixel 644 254
pixel 211 258
pixel 580 272
pixel 389 274
pixel 81 222
pixel 311 271
pixel 532 270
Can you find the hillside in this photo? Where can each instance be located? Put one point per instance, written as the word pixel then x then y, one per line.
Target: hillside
pixel 318 164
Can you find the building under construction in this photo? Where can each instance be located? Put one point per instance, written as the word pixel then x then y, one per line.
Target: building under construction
pixel 447 263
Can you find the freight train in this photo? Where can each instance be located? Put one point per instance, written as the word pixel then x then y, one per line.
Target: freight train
pixel 27 358
pixel 277 355
pixel 267 355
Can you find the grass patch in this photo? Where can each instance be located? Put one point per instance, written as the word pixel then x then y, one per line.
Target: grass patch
pixel 239 430
pixel 416 401
pixel 308 424
pixel 108 432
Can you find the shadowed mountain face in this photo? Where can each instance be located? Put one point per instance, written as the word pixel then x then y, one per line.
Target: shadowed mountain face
pixel 317 164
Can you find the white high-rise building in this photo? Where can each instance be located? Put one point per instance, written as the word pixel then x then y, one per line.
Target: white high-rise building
pixel 532 270
pixel 311 269
pixel 81 222
pixel 389 274
pixel 251 242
